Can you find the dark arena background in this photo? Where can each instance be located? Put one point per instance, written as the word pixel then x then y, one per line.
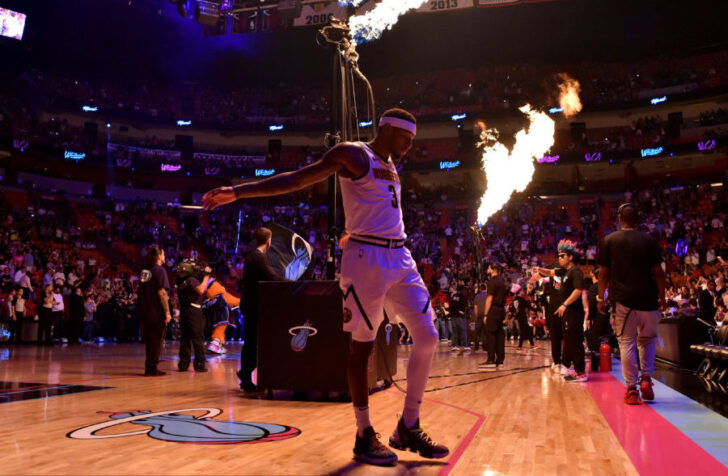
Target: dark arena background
pixel 117 116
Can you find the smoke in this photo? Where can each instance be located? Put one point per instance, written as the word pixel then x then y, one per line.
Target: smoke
pixel 511 171
pixel 569 90
pixel 384 16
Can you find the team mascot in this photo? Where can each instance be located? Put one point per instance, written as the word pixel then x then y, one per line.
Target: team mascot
pixel 223 309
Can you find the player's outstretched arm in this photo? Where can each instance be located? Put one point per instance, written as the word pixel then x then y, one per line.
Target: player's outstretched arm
pixel 346 159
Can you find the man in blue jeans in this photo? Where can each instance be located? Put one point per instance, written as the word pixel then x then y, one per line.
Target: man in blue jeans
pixel 630 267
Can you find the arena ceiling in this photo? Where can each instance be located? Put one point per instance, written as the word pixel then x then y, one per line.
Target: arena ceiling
pixel 139 39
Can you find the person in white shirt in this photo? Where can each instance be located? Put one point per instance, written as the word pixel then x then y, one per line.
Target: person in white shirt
pixel 59 278
pixel 57 312
pixel 710 255
pixel 9 310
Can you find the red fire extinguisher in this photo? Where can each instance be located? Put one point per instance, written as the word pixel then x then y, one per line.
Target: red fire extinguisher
pixel 605 357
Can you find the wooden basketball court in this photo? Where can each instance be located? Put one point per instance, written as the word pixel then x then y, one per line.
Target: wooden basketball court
pixel 79 410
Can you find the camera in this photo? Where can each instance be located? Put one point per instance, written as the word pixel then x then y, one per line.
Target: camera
pixel 192 269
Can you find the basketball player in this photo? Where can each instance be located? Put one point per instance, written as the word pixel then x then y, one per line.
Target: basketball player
pixel 377 271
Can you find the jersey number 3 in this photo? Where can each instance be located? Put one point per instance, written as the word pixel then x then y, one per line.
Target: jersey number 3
pixel 395 202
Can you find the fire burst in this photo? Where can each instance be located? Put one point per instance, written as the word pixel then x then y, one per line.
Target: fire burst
pixel 384 16
pixel 509 172
pixel 569 89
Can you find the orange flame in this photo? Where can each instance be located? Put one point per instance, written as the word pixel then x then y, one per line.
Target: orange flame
pixel 569 90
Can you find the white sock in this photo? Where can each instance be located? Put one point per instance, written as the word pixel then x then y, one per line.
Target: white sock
pixel 362 419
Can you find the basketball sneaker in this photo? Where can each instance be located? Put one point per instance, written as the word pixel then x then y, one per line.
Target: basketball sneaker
pixel 154 373
pixel 576 377
pixel 488 366
pixel 646 388
pixel 215 347
pixel 632 397
pixel 416 440
pixel 370 450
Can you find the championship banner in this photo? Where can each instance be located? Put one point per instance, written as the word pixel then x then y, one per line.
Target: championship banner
pixel 505 3
pixel 320 13
pixel 289 254
pixel 497 3
pixel 445 5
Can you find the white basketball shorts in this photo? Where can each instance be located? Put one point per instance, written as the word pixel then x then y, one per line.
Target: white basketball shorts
pixel 375 279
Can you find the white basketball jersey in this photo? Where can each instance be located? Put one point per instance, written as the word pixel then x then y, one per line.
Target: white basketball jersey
pixel 372 204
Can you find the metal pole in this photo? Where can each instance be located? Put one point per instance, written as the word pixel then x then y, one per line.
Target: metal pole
pixel 237 241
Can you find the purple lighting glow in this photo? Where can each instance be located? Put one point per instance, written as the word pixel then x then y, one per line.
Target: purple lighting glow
pixel 706 145
pixel 171 168
pixel 593 156
pixel 548 159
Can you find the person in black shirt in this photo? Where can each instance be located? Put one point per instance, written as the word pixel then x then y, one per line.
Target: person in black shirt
pixel 520 309
pixel 707 301
pixel 256 269
pixel 495 315
pixel 550 302
pixel 191 293
pixel 458 313
pixel 479 312
pixel 571 309
pixel 154 308
pixel 630 267
pixel 76 312
pixel 597 322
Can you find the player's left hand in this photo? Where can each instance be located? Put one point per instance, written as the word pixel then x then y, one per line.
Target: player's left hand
pixel 217 197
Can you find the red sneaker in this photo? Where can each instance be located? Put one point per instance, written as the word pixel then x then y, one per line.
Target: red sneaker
pixel 632 397
pixel 646 388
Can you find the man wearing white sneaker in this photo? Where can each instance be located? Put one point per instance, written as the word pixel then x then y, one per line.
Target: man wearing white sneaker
pixel 572 308
pixel 630 267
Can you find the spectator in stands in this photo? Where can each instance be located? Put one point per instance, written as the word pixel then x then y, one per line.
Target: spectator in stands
pixel 59 323
pixel 23 280
pixel 45 316
pixel 76 314
pixel 8 314
pixel 88 318
pixel 707 300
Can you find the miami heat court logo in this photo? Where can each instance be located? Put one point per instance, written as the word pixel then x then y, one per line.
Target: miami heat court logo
pixel 300 335
pixel 177 426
